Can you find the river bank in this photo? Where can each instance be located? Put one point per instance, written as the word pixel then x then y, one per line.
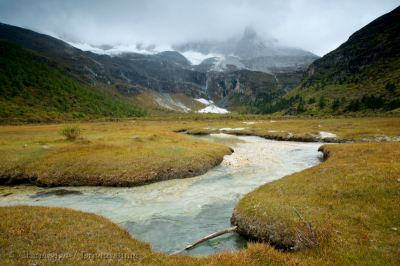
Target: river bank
pixel 171 213
pixel 344 210
pixel 350 200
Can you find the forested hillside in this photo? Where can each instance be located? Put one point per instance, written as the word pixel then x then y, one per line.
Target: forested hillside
pixel 34 89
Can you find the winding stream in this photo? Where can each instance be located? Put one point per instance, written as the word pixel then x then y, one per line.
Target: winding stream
pixel 173 213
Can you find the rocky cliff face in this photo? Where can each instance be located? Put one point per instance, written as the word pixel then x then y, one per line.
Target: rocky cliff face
pixel 240 88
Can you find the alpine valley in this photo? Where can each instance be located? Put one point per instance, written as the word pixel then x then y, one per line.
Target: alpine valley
pixel 245 74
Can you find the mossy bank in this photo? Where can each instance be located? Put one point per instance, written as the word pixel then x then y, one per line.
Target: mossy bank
pixel 343 211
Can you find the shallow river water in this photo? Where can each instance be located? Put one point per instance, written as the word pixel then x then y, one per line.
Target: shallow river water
pixel 173 213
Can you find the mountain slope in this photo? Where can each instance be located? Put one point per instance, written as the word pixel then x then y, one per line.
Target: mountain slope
pixel 375 45
pixel 164 72
pixel 160 82
pixel 33 89
pixel 362 75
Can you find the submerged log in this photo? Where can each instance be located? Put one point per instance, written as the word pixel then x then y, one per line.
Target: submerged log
pixel 208 237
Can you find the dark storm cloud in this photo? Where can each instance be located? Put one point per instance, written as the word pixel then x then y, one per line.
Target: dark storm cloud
pixel 315 25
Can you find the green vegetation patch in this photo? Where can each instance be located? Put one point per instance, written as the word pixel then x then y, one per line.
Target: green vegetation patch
pixel 33 89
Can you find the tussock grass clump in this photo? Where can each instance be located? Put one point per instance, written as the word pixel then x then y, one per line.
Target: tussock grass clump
pixel 71 133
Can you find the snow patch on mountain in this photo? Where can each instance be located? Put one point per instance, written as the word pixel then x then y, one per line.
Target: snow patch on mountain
pixel 87 48
pixel 213 109
pixel 196 57
pixel 119 49
pixel 204 101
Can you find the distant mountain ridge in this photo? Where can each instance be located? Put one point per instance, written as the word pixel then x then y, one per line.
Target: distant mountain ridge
pixel 159 72
pixel 251 52
pixel 164 80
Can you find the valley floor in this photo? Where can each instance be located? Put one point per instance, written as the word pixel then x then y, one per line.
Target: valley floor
pixel 136 152
pixel 343 211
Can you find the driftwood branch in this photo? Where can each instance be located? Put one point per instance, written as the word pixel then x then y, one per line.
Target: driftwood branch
pixel 214 235
pixel 309 239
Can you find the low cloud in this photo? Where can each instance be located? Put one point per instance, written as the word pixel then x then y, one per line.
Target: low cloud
pixel 315 25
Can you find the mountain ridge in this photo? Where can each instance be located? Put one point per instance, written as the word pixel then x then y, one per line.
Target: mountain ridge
pixel 252 53
pixel 141 77
pixel 362 75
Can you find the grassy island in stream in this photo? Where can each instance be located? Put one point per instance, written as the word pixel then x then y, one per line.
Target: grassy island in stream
pixel 106 154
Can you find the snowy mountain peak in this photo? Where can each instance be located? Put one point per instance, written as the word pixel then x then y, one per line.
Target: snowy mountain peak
pixel 249 33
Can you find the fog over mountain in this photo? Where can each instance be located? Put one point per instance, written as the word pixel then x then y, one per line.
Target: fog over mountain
pixel 314 25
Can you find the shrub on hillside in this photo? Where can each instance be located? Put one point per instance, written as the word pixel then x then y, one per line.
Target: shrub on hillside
pixel 71 132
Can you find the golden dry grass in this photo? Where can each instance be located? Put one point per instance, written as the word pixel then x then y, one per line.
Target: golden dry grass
pixel 141 151
pixel 111 154
pixel 351 201
pixel 353 129
pixel 45 236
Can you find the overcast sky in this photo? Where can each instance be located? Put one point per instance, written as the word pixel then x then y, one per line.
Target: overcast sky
pixel 315 25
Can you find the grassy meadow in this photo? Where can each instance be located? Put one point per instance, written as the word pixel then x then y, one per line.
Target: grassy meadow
pixel 45 236
pixel 350 201
pixel 109 154
pixel 343 211
pixel 135 152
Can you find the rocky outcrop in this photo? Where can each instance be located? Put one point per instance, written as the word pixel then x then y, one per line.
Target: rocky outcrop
pixel 243 87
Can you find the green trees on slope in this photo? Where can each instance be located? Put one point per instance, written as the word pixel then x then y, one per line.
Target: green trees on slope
pixel 33 89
